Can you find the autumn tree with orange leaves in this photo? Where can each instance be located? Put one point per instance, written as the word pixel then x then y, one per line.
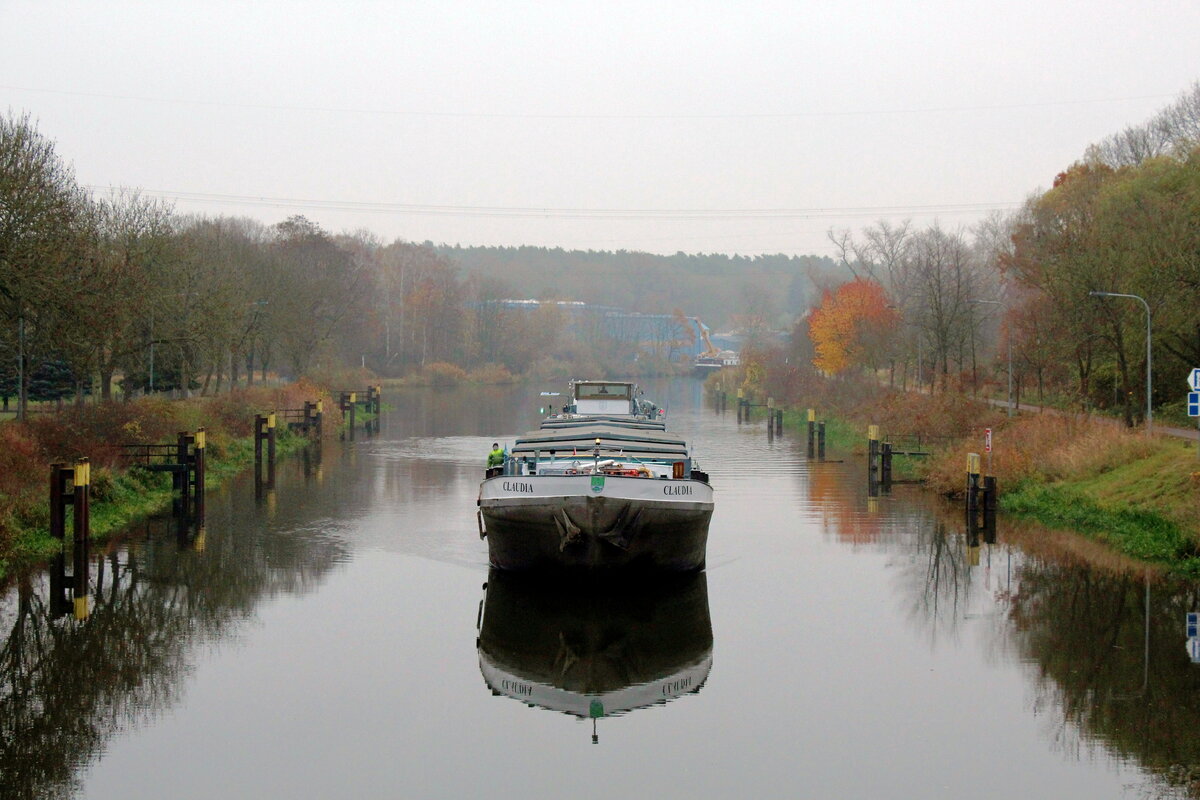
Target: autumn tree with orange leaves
pixel 853 327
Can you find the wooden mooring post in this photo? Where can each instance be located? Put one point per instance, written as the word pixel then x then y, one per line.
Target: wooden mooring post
pixel 873 453
pixel 981 500
pixel 182 478
pixel 885 464
pixel 79 497
pixel 778 422
pixel 821 440
pixel 770 418
pixel 199 446
pixel 741 404
pixel 812 430
pixel 973 490
pixel 264 435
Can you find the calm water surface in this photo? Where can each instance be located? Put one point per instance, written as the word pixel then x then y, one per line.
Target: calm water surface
pixel 335 640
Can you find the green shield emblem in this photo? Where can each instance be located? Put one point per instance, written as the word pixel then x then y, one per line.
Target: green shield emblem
pixel 597 483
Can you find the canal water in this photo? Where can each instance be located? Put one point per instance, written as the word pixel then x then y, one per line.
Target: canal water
pixel 334 638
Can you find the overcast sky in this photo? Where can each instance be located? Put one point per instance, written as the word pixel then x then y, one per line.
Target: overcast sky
pixel 593 125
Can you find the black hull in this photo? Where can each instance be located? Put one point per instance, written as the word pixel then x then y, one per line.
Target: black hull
pixel 597 534
pixel 593 640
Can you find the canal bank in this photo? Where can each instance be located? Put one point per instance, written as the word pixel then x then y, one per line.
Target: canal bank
pixel 119 494
pixel 1132 492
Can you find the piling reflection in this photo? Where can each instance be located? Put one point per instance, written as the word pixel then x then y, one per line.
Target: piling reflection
pixel 68 683
pixel 1111 654
pixel 597 651
pixel 1109 642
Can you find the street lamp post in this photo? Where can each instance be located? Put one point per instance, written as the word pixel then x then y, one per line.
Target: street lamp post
pixel 1010 393
pixel 1149 353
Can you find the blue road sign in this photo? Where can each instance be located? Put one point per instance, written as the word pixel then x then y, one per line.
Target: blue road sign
pixel 1194 380
pixel 1193 623
pixel 1194 404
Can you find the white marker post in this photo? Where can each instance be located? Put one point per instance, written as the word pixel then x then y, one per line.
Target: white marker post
pixel 1193 403
pixel 987 448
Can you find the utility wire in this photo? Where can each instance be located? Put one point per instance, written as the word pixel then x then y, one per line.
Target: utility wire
pixel 563 116
pixel 664 214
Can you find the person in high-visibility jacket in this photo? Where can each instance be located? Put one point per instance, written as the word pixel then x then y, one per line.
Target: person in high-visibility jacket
pixel 496 457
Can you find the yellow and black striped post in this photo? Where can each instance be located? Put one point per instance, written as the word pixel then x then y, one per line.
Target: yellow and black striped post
pixel 973 463
pixel 80 495
pixel 271 449
pixel 198 467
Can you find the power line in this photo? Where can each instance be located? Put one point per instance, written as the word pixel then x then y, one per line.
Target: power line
pixel 562 116
pixel 535 212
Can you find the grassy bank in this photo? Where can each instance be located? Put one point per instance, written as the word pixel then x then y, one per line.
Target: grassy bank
pixel 120 496
pixel 1134 493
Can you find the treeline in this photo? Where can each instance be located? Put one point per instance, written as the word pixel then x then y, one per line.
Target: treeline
pixel 119 294
pixel 716 287
pixel 1125 219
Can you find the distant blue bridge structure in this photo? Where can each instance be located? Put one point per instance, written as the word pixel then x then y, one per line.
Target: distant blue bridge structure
pixel 678 335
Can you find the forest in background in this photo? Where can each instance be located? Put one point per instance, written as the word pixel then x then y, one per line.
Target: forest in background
pixel 118 295
pixel 715 287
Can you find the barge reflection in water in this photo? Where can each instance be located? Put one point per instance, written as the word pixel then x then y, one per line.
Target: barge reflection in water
pixel 597 650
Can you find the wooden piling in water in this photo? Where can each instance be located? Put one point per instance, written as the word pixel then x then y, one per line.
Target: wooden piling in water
pixel 885 464
pixel 271 449
pixel 183 441
pixel 80 498
pixel 198 469
pixel 821 440
pixel 973 486
pixel 873 452
pixel 770 418
pixel 812 431
pixel 741 402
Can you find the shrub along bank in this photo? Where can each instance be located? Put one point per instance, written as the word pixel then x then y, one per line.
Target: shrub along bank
pixel 120 496
pixel 1133 492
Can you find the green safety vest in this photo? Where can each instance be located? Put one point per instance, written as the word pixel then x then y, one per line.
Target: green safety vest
pixel 496 458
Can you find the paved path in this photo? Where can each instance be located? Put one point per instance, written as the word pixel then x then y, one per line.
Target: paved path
pixel 1181 433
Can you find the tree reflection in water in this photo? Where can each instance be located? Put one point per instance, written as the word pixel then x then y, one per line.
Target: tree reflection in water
pixel 1107 643
pixel 66 686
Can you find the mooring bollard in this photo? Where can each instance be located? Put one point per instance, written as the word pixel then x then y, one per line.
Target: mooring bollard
pixel 198 449
pixel 770 418
pixel 378 400
pixel 80 496
pixel 779 422
pixel 353 400
pixel 885 464
pixel 741 401
pixel 271 449
pixel 990 503
pixel 310 413
pixel 812 430
pixel 320 417
pixel 972 491
pixel 821 440
pixel 182 442
pixel 260 428
pixel 873 451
